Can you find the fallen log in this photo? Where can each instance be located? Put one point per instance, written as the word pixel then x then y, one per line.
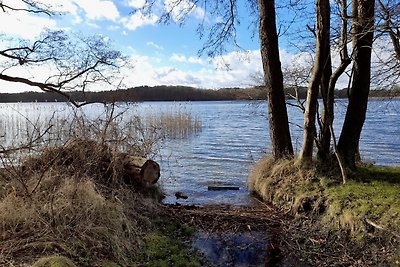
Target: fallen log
pixel 139 170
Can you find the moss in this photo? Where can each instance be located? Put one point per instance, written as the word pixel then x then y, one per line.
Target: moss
pixel 367 198
pixel 54 261
pixel 165 247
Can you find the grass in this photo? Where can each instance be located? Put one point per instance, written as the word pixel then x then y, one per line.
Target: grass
pixel 375 198
pixel 178 122
pixel 50 206
pixel 39 124
pixel 62 189
pixel 335 224
pixel 370 198
pixel 165 247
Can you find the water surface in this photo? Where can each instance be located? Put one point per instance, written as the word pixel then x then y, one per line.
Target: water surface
pixel 234 135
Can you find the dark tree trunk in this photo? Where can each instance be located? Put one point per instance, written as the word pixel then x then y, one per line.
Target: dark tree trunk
pixel 328 85
pixel 278 118
pixel 363 22
pixel 327 94
pixel 322 58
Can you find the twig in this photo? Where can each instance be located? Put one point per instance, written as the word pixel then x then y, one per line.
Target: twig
pixel 338 156
pixel 382 228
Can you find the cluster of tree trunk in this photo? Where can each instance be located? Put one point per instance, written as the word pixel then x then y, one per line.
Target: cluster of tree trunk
pixel 322 82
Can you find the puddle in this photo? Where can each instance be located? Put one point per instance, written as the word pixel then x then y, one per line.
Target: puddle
pixel 233 249
pixel 247 249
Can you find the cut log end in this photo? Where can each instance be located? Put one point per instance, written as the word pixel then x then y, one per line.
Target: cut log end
pixel 138 170
pixel 150 173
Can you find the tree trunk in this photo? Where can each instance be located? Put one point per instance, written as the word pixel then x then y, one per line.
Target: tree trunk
pixel 278 118
pixel 327 94
pixel 363 22
pixel 328 85
pixel 322 58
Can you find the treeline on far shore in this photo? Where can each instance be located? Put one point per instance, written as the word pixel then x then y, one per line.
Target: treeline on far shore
pixel 172 93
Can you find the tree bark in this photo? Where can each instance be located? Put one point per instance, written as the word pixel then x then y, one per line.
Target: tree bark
pixel 328 85
pixel 322 58
pixel 363 33
pixel 281 142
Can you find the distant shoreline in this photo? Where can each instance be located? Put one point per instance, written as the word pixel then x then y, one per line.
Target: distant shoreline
pixel 173 93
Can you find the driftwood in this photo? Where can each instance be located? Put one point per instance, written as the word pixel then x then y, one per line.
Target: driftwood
pixel 221 188
pixel 138 170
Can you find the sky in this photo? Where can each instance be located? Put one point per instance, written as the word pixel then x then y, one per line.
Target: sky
pixel 161 54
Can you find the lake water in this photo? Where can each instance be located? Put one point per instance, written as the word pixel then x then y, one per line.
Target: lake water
pixel 233 137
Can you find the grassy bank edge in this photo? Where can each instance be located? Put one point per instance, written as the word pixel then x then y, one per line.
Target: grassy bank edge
pixel 364 209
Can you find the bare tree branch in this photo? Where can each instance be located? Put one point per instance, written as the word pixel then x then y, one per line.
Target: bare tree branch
pixel 74 62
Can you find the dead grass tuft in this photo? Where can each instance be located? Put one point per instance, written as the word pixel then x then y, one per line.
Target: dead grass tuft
pixel 176 123
pixel 277 182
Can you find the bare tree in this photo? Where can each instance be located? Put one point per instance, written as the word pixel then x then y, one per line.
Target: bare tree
pixel 72 62
pixel 329 81
pixel 386 74
pixel 31 6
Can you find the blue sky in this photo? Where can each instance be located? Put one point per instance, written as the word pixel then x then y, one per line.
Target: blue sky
pixel 162 54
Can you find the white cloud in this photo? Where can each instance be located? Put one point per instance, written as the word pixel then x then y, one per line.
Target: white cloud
pixel 99 9
pixel 137 3
pixel 209 76
pixel 195 60
pixel 178 58
pixel 182 58
pixel 24 25
pixel 138 19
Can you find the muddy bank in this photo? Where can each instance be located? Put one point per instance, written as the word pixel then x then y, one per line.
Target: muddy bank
pixel 261 235
pixel 228 235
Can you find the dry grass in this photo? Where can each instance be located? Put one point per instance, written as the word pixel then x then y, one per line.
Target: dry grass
pixel 277 182
pixel 178 122
pixel 68 201
pixel 70 198
pixel 31 127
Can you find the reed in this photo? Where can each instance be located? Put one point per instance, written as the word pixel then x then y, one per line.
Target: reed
pixel 178 122
pixel 36 124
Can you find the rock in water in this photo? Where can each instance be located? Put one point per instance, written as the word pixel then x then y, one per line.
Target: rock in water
pixel 181 195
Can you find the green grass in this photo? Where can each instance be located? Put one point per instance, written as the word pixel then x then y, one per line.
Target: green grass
pixel 374 195
pixel 165 247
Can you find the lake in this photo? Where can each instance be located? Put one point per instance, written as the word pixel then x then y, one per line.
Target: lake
pixel 234 135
